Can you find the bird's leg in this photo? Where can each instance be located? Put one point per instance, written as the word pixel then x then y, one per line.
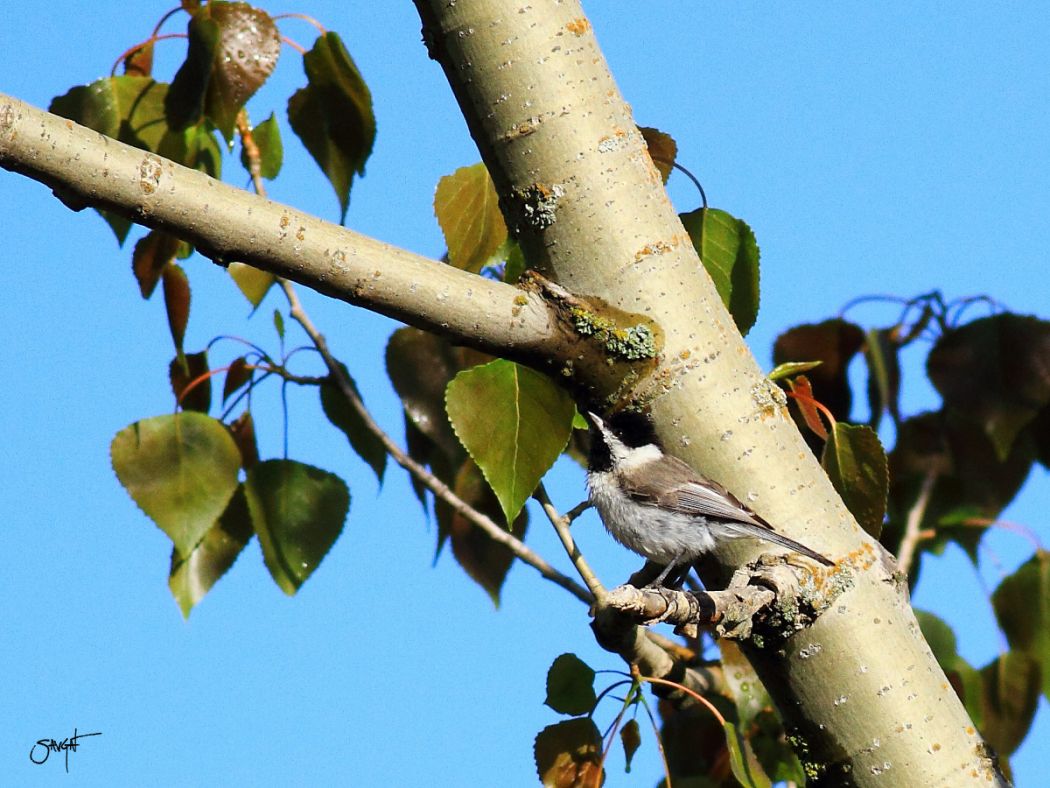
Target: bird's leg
pixel 677 578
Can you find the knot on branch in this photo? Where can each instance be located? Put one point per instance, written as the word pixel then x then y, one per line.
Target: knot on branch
pixel 621 348
pixel 766 601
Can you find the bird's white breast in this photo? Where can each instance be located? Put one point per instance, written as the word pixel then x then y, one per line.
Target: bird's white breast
pixel 657 534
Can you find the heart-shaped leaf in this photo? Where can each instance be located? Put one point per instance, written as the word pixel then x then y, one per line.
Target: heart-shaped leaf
pixel 568 754
pixel 856 463
pixel 344 416
pixel 467 208
pixel 333 116
pixel 298 512
pixel 514 422
pixel 570 686
pixel 192 577
pixel 180 469
pixel 729 252
pixel 1022 606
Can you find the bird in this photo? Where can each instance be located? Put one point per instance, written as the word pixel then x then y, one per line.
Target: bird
pixel 656 505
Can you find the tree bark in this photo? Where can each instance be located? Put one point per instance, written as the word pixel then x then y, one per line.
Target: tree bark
pixel 859 690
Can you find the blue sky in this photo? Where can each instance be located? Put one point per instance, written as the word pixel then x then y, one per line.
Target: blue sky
pixel 874 148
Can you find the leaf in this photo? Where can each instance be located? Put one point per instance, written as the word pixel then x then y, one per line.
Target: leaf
pixel 467 208
pixel 631 739
pixel 347 418
pixel 791 368
pixel 884 374
pixel 128 108
pixel 420 366
pixel 1009 699
pixel 184 369
pixel 802 393
pixel 139 62
pixel 730 254
pixel 1022 607
pixel 243 431
pixel 516 263
pixel 298 512
pixel 568 754
pixel 971 486
pixel 180 469
pixel 485 560
pixel 746 770
pixel 267 139
pixel 233 49
pixel 238 374
pixel 278 323
pixel 192 577
pixel 994 372
pixel 662 149
pixel 833 342
pixel 514 422
pixel 570 686
pixel 152 254
pixel 177 302
pixel 253 283
pixel 855 462
pixel 333 116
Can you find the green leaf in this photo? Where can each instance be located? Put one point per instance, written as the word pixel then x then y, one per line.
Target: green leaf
pixel 192 577
pixel 516 263
pixel 1022 606
pixel 514 422
pixel 298 512
pixel 884 374
pixel 570 686
pixel 344 416
pixel 232 50
pixel 568 754
pixel 662 149
pixel 152 254
pixel 253 283
pixel 267 138
pixel 856 464
pixel 278 323
pixel 184 369
pixel 791 368
pixel 130 109
pixel 467 208
pixel 177 302
pixel 1009 698
pixel 180 469
pixel 195 147
pixel 834 343
pixel 746 770
pixel 333 116
pixel 729 252
pixel 184 103
pixel 994 372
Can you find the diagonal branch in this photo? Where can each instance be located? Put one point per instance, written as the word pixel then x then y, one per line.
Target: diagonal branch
pixel 227 224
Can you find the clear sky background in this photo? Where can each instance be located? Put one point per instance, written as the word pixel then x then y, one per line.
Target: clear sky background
pixel 874 148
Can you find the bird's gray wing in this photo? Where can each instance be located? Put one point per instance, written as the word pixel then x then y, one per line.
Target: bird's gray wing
pixel 676 486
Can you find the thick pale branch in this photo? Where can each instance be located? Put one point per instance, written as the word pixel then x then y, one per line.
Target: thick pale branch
pixel 85 168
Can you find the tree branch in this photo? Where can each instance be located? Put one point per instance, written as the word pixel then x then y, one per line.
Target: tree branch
pixel 227 224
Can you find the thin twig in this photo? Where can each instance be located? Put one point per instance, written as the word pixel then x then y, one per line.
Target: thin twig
pixel 912 532
pixel 561 525
pixel 434 484
pixel 346 388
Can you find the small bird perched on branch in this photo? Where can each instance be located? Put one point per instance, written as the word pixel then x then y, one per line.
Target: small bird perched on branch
pixel 659 507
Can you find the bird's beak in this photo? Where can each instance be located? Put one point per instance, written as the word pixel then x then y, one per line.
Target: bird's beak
pixel 597 421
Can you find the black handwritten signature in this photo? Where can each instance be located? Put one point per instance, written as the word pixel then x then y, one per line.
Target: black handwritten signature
pixel 49 746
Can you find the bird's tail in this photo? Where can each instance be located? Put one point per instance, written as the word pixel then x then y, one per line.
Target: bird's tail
pixel 769 535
